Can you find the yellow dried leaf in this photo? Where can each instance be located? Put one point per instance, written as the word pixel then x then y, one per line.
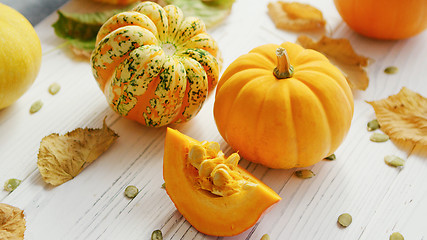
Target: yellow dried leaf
pixel 403 116
pixel 12 222
pixel 61 158
pixel 341 54
pixel 295 16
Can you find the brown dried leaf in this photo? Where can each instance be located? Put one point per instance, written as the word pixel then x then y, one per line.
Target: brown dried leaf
pixel 84 54
pixel 341 54
pixel 61 158
pixel 12 222
pixel 295 16
pixel 403 116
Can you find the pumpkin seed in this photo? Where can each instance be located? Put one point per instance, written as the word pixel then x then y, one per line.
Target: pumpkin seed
pixel 157 235
pixel 233 159
pixel 379 137
pixel 331 157
pixel 54 88
pixel 206 168
pixel 373 125
pixel 391 70
pixel 345 219
pixel 394 161
pixel 265 237
pixel 196 155
pixel 248 185
pixel 11 184
pixel 304 174
pixel 396 236
pixel 36 106
pixel 220 177
pixel 212 148
pixel 131 191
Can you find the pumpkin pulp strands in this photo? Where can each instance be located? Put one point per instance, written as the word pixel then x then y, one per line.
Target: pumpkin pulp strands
pixel 283 69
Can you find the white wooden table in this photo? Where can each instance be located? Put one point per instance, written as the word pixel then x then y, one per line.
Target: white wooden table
pixel 381 199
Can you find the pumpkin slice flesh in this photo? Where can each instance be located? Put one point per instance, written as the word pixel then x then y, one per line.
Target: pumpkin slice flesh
pixel 209 213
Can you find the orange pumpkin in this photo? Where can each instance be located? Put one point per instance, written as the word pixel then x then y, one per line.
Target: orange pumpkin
pixel 214 194
pixel 154 65
pixel 284 111
pixel 384 19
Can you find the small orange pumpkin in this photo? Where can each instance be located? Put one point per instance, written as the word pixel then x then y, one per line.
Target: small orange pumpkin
pixel 214 194
pixel 384 19
pixel 283 111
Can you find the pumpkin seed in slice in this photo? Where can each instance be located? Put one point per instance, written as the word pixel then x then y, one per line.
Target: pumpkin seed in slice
pixel 265 237
pixel 54 88
pixel 345 219
pixel 11 184
pixel 391 70
pixel 394 161
pixel 36 106
pixel 131 191
pixel 304 174
pixel 331 157
pixel 373 125
pixel 396 236
pixel 379 137
pixel 157 235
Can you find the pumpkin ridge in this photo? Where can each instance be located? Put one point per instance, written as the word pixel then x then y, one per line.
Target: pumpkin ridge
pixel 126 19
pixel 114 48
pixel 225 111
pixel 196 89
pixel 244 63
pixel 281 86
pixel 158 105
pixel 316 127
pixel 130 79
pixel 341 85
pixel 175 18
pixel 245 89
pixel 156 14
pixel 318 94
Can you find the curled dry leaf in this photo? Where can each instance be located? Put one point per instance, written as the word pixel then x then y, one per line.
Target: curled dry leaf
pixel 403 116
pixel 61 158
pixel 341 54
pixel 12 222
pixel 295 16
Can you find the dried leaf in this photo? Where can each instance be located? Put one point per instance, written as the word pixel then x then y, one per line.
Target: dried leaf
pixel 403 116
pixel 212 12
pixel 295 16
pixel 12 222
pixel 80 29
pixel 341 54
pixel 61 158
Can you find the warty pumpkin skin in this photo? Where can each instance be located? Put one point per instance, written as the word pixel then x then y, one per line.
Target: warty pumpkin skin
pixel 208 213
pixel 384 19
pixel 154 65
pixel 283 123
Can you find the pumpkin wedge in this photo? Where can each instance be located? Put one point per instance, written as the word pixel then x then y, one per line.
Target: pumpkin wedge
pixel 214 194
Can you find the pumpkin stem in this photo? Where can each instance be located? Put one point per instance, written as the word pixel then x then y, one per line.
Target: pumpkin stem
pixel 283 69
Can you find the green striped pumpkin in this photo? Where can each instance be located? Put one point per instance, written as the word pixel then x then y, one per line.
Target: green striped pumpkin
pixel 154 65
